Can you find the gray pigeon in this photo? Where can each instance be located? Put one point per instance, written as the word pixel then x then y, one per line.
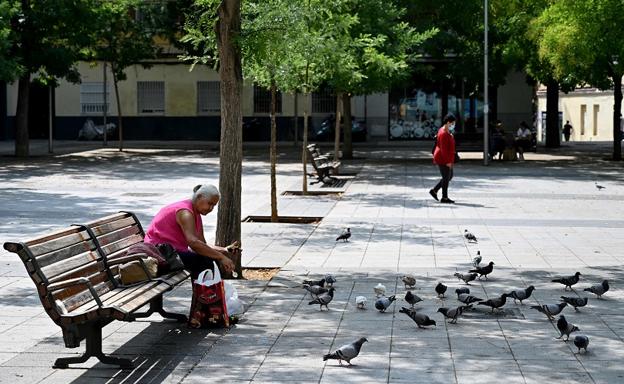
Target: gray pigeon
pixel 412 299
pixel 470 237
pixel 420 319
pixel 440 289
pixel 522 294
pixel 565 328
pixel 409 281
pixel 459 291
pixel 576 302
pixel 477 260
pixel 324 299
pixel 384 302
pixel 599 187
pixel 467 298
pixel 568 281
pixel 581 342
pixel 347 352
pixel 483 271
pixel 315 290
pixel 320 282
pixel 467 278
pixel 599 289
pixel 330 280
pixel 344 235
pixel 550 310
pixel 496 302
pixel 454 313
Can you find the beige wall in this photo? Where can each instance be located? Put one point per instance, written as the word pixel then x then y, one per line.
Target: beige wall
pixel 598 128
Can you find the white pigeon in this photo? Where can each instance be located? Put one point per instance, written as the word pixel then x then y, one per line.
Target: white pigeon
pixel 380 290
pixel 360 302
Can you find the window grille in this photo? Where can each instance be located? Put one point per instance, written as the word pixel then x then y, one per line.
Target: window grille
pixel 151 97
pixel 92 98
pixel 323 101
pixel 208 97
pixel 262 100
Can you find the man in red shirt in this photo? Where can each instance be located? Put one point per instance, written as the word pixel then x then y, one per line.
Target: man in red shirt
pixel 444 157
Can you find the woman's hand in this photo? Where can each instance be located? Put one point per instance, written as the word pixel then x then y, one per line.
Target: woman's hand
pixel 450 165
pixel 227 264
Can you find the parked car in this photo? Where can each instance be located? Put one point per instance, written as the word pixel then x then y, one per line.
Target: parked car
pixel 326 131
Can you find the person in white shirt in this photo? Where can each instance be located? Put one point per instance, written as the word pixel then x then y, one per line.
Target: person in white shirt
pixel 523 139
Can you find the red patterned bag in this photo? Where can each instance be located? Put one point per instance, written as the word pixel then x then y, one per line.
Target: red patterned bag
pixel 208 307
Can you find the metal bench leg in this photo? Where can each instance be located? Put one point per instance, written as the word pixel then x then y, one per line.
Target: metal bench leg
pixel 94 349
pixel 156 305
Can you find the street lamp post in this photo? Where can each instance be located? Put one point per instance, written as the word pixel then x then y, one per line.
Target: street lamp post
pixel 486 106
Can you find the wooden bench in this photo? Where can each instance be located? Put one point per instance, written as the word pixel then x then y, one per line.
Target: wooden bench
pixel 323 166
pixel 76 272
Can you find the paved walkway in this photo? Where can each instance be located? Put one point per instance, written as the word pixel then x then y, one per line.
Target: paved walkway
pixel 534 219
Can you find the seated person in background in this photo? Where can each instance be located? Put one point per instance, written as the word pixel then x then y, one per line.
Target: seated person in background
pixel 180 224
pixel 523 139
pixel 497 141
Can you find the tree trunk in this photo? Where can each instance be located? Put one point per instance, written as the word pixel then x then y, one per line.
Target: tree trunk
pixel 228 29
pixel 617 113
pixel 494 105
pixel 119 111
pixel 553 136
pixel 304 153
pixel 296 139
pixel 21 121
pixel 273 151
pixel 337 138
pixel 347 151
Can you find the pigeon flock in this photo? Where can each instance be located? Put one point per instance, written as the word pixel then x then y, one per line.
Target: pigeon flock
pixel 322 292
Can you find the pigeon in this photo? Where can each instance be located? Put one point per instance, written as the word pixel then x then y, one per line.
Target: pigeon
pixel 496 302
pixel 576 302
pixel 470 237
pixel 380 290
pixel 477 260
pixel 324 299
pixel 459 291
pixel 467 278
pixel 599 187
pixel 581 342
pixel 483 271
pixel 550 310
pixel 315 282
pixel 347 352
pixel 568 281
pixel 360 302
pixel 344 235
pixel 468 299
pixel 454 313
pixel 565 328
pixel 330 280
pixel 315 290
pixel 599 289
pixel 522 294
pixel 412 299
pixel 383 303
pixel 420 319
pixel 409 281
pixel 440 289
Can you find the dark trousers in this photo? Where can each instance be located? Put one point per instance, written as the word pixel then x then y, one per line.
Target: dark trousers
pixel 447 175
pixel 195 263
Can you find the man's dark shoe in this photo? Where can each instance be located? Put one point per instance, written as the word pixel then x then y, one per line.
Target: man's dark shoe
pixel 433 194
pixel 446 200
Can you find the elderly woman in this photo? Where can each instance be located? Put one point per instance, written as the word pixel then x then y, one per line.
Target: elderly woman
pixel 180 224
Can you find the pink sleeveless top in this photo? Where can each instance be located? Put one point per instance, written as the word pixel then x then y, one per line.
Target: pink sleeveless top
pixel 165 229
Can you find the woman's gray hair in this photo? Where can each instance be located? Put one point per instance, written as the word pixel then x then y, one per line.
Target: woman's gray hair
pixel 205 190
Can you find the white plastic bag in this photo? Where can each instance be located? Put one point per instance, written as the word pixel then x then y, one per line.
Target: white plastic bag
pixel 206 277
pixel 235 306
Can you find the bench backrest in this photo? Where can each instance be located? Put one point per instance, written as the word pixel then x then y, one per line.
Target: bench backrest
pixel 313 155
pixel 76 251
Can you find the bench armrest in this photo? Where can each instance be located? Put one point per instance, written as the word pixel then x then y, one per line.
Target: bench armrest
pixel 77 281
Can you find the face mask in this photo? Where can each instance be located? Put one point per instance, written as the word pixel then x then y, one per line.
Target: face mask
pixel 452 127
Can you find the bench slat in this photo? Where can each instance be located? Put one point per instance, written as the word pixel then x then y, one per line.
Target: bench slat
pixel 119 245
pixel 69 264
pixel 65 253
pixel 120 234
pixel 113 226
pixel 54 244
pixel 107 219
